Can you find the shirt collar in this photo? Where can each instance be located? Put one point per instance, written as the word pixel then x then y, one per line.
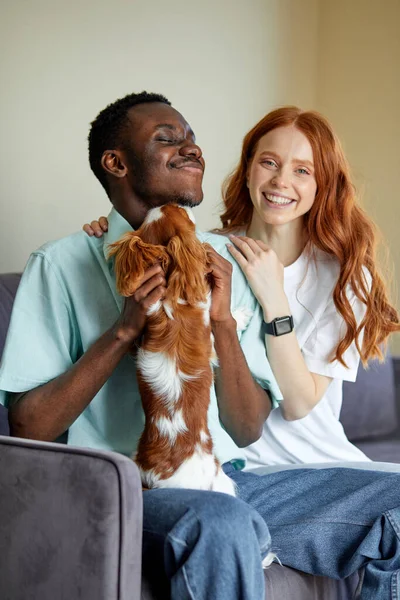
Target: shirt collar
pixel 117 226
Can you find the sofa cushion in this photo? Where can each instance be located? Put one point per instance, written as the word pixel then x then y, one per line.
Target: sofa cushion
pixel 8 287
pixel 283 583
pixel 369 404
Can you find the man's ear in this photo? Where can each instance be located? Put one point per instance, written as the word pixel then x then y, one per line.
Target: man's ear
pixel 113 163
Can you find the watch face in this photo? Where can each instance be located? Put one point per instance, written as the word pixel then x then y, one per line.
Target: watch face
pixel 283 326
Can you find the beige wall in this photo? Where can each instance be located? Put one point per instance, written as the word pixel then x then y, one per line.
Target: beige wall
pixel 222 63
pixel 359 91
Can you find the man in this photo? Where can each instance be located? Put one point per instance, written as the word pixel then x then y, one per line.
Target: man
pixel 68 366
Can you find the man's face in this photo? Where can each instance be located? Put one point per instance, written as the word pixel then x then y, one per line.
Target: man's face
pixel 163 163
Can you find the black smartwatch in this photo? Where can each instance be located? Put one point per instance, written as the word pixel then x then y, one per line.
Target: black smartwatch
pixel 279 326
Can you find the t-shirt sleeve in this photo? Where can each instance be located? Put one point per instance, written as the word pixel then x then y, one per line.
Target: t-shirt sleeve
pixel 320 347
pixel 40 342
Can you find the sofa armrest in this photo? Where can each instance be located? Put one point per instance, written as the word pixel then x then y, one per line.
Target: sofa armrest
pixel 70 523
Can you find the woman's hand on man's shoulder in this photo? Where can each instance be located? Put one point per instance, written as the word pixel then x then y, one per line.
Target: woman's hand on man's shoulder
pixel 96 228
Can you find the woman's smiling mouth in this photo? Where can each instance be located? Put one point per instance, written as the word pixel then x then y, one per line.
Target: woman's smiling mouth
pixel 277 201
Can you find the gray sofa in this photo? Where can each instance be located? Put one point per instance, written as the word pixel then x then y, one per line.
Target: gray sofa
pixel 70 518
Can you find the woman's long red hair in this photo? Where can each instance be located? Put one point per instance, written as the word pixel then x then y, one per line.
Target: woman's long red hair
pixel 335 223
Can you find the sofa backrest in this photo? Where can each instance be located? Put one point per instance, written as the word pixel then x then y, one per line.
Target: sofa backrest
pixel 369 406
pixel 8 286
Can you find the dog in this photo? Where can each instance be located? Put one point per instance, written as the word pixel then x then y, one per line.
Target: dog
pixel 175 356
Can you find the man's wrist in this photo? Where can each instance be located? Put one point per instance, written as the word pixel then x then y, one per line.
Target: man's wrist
pixel 223 325
pixel 124 337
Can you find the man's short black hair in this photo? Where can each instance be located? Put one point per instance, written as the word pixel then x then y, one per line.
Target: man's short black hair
pixel 107 128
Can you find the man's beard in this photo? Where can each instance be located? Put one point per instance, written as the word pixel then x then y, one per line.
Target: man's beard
pixel 154 198
pixel 186 200
pixel 178 198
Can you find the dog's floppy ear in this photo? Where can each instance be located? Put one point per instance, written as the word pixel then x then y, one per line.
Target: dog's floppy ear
pixel 189 259
pixel 132 258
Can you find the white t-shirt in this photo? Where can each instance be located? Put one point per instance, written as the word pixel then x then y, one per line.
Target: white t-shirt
pixel 318 437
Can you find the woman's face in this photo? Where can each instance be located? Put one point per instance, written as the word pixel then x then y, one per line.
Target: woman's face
pixel 281 178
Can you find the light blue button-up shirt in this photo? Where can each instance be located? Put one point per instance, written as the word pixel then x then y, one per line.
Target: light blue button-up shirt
pixel 66 300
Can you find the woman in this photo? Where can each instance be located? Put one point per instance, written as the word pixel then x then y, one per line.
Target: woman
pixel 307 251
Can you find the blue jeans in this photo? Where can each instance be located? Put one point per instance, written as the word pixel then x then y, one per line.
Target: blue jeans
pixel 334 521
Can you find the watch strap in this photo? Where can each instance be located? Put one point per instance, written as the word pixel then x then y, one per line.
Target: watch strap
pixel 273 328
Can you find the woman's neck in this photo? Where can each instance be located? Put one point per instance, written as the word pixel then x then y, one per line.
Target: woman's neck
pixel 288 240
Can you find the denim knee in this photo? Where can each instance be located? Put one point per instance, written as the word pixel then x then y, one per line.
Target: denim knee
pixel 215 550
pixel 227 521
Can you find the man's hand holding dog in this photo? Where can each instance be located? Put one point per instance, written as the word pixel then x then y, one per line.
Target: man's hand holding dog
pixel 132 321
pixel 220 275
